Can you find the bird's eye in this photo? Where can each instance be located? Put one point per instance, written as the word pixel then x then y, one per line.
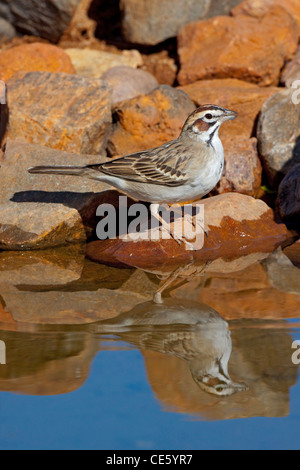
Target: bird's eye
pixel 208 116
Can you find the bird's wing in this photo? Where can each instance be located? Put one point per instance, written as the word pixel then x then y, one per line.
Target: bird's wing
pixel 164 165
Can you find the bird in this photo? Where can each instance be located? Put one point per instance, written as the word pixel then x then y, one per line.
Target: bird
pixel 184 169
pixel 191 331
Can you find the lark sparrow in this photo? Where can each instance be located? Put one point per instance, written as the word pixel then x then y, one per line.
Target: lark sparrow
pixel 185 169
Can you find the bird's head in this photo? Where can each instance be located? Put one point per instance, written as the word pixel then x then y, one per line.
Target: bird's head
pixel 204 123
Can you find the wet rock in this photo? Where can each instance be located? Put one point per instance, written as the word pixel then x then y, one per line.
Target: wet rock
pixel 291 73
pixel 127 83
pixel 43 18
pixel 245 98
pixel 40 211
pixel 283 275
pixel 148 23
pixel 288 199
pixel 36 57
pixel 257 8
pixel 66 112
pixel 161 66
pixel 242 170
pixel 149 120
pixel 93 63
pixel 278 135
pixel 236 225
pixel 236 42
pixel 7 31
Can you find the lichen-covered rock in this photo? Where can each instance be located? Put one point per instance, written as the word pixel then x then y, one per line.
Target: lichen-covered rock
pixel 63 111
pixel 35 57
pixel 236 45
pixel 150 120
pixel 278 135
pixel 43 18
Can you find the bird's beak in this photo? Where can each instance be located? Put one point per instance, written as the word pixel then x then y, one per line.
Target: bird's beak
pixel 229 115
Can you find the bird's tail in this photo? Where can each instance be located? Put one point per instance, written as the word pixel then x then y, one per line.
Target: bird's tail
pixel 59 170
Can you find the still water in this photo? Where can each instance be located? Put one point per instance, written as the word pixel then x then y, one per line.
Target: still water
pixel 91 362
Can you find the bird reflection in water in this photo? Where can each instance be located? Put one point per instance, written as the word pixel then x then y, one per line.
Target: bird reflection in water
pixel 191 331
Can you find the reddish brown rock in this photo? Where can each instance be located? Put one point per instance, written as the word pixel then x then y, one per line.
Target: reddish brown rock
pixel 291 73
pixel 161 66
pixel 242 170
pixel 150 120
pixel 237 225
pixel 258 8
pixel 293 253
pixel 231 47
pixel 245 98
pixel 62 111
pixel 36 57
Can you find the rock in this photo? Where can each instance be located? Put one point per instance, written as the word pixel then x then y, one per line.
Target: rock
pixel 149 120
pixel 147 22
pixel 242 293
pixel 283 275
pixel 245 98
pixel 35 57
pixel 291 73
pixel 127 82
pixel 161 66
pixel 82 27
pixel 66 112
pixel 7 31
pixel 293 253
pixel 75 292
pixel 278 135
pixel 41 211
pixel 242 170
pixel 152 23
pixel 237 225
pixel 43 18
pixel 236 45
pixel 258 8
pixel 288 199
pixel 93 63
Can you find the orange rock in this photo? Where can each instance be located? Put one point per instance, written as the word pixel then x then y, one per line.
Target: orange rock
pixel 245 98
pixel 36 57
pixel 150 120
pixel 252 49
pixel 257 8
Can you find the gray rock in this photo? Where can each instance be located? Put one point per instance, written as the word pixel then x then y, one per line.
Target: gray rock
pixel 127 82
pixel 283 275
pixel 278 135
pixel 63 111
pixel 288 199
pixel 41 211
pixel 44 18
pixel 7 31
pixel 150 23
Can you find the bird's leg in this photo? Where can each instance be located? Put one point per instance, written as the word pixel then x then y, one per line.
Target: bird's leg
pixel 154 211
